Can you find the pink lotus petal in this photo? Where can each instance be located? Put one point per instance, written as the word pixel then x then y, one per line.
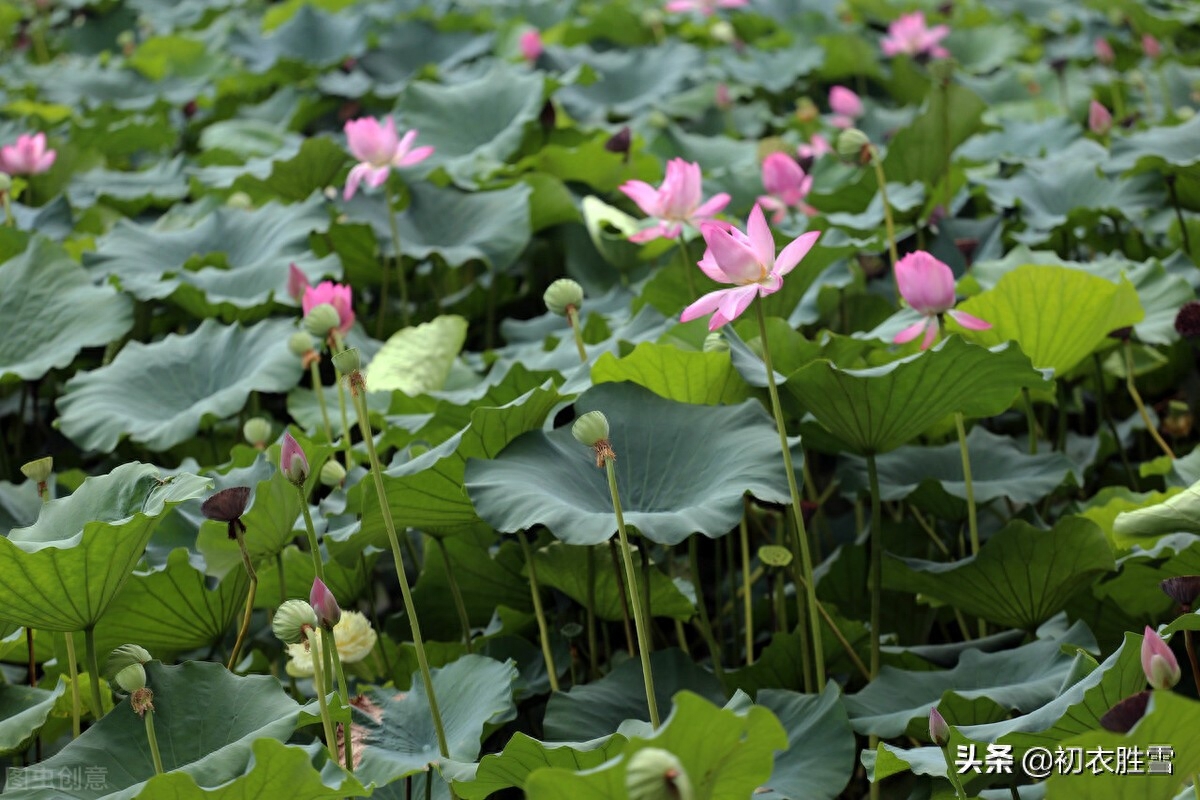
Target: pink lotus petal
pixel 709 267
pixel 777 208
pixel 357 173
pixel 656 231
pixel 931 333
pixel 711 207
pixel 376 176
pixel 297 282
pixel 292 461
pixel 707 304
pixel 762 241
pixel 419 154
pixel 642 193
pixel 735 257
pixel 969 321
pixel 736 301
pixel 795 251
pixel 845 103
pixel 912 331
pixel 1099 119
pixel 531 45
pixel 1158 661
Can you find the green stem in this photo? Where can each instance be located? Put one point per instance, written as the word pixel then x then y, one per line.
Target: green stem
pixel 1141 407
pixel 1031 421
pixel 1102 404
pixel 691 281
pixel 73 671
pixel 89 643
pixel 702 608
pixel 464 621
pixel 543 630
pixel 875 580
pixel 573 320
pixel 319 686
pixel 616 563
pixel 313 545
pixel 360 406
pixel 888 222
pixel 952 774
pixel 593 656
pixel 241 637
pixel 152 740
pixel 399 259
pixel 329 644
pixel 319 391
pixel 347 447
pixel 972 515
pixel 806 564
pixel 747 604
pixel 638 608
pixel 283 595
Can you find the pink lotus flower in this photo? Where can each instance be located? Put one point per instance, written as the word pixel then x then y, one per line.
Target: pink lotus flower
pixel 297 283
pixel 722 97
pixel 675 203
pixel 531 45
pixel 335 294
pixel 1099 119
pixel 908 35
pixel 1158 662
pixel 928 286
pixel 746 260
pixel 378 149
pixel 1104 51
pixel 1151 46
pixel 786 186
pixel 846 107
pixel 292 461
pixel 816 147
pixel 705 7
pixel 325 604
pixel 28 156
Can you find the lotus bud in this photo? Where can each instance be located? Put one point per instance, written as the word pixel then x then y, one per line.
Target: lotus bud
pixel 300 344
pixel 292 461
pixel 939 731
pixel 656 774
pixel 293 620
pixel 591 428
pixel 257 431
pixel 332 473
pixel 324 604
pixel 347 361
pixel 39 469
pixel 321 320
pixel 716 343
pixel 1158 662
pixel 123 667
pixel 563 294
pixel 853 145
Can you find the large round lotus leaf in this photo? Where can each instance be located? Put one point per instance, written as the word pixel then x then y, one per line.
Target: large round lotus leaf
pixel 229 258
pixel 417 360
pixel 880 408
pixel 62 572
pixel 23 711
pixel 206 720
pixel 630 81
pixel 311 36
pixel 159 394
pixel 681 469
pixel 524 754
pixel 51 311
pixel 921 150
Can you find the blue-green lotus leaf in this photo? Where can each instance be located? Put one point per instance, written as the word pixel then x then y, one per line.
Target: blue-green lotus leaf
pixel 630 81
pixel 672 482
pixel 311 36
pixel 160 185
pixel 160 394
pixel 52 310
pixel 23 711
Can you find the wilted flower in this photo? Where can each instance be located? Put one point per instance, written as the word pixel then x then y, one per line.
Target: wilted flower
pixel 227 506
pixel 292 461
pixel 1104 51
pixel 846 107
pixel 676 202
pixel 1124 715
pixel 1158 662
pixel 531 44
pixel 378 149
pixel 28 156
pixel 928 286
pixel 352 636
pixel 1099 119
pixel 1183 590
pixel 337 295
pixel 786 186
pixel 1187 320
pixel 705 7
pixel 910 36
pixel 746 260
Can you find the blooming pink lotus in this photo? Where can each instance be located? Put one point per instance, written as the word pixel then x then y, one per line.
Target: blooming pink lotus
pixel 335 294
pixel 910 36
pixel 1099 119
pixel 1158 662
pixel 746 260
pixel 846 107
pixel 675 203
pixel 531 44
pixel 28 156
pixel 786 186
pixel 705 7
pixel 292 461
pixel 928 286
pixel 378 149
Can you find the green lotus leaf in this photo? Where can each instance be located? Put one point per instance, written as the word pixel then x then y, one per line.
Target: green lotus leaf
pixel 1020 140
pixel 277 770
pixel 247 138
pixel 62 572
pixel 290 172
pixel 819 759
pixel 523 755
pixel 488 578
pixel 671 482
pixel 161 185
pixel 417 360
pixel 231 259
pixel 880 408
pixel 52 310
pixel 159 394
pixel 1167 149
pixel 473 693
pixel 311 36
pixel 726 754
pixel 773 70
pixel 1021 577
pixel 206 721
pixel 631 81
pixel 23 712
pixel 685 376
pixel 1179 512
pixel 347 582
pixel 920 151
pixel 83 82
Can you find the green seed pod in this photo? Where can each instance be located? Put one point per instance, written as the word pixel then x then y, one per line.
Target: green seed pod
pixel 853 146
pixel 332 473
pixel 347 361
pixel 592 427
pixel 562 293
pixel 716 343
pixel 291 621
pixel 39 469
pixel 257 431
pixel 240 200
pixel 321 320
pixel 300 343
pixel 123 667
pixel 655 774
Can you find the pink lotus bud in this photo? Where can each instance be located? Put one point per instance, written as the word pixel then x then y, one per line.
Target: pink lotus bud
pixel 939 730
pixel 1104 51
pixel 297 282
pixel 1099 119
pixel 1151 46
pixel 292 461
pixel 325 604
pixel 1158 662
pixel 531 45
pixel 846 106
pixel 723 99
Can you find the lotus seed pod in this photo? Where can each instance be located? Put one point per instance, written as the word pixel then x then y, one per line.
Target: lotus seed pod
pixel 257 431
pixel 655 774
pixel 123 667
pixel 562 294
pixel 240 200
pixel 854 146
pixel 300 344
pixel 131 678
pixel 332 473
pixel 293 620
pixel 716 343
pixel 321 320
pixel 347 361
pixel 591 428
pixel 39 469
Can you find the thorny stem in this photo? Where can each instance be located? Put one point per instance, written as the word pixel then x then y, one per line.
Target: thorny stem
pixel 464 621
pixel 73 671
pixel 616 562
pixel 972 515
pixel 1141 407
pixel 952 774
pixel 241 637
pixel 806 564
pixel 536 592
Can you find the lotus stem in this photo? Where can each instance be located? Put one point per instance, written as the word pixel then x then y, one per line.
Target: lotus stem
pixel 464 621
pixel 283 595
pixel 399 257
pixel 747 604
pixel 1030 421
pixel 329 645
pixel 358 393
pixel 1141 407
pixel 73 671
pixel 543 630
pixel 952 774
pixel 319 391
pixel 691 281
pixel 241 637
pixel 573 320
pixel 616 562
pixel 876 582
pixel 593 667
pixel 889 223
pixel 639 609
pixel 806 565
pixel 313 544
pixel 322 701
pixel 647 613
pixel 1106 415
pixel 347 447
pixel 972 517
pixel 89 643
pixel 152 740
pixel 702 608
pixel 1191 653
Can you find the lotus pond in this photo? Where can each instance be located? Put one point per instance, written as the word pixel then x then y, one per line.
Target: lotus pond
pixel 708 399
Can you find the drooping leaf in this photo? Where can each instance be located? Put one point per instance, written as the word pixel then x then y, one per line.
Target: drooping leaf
pixel 1179 512
pixel 23 711
pixel 417 360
